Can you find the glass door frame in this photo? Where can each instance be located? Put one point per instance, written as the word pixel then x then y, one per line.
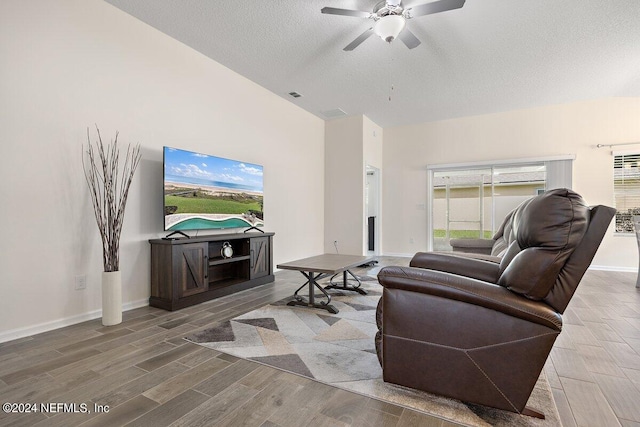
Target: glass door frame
pixel 480 186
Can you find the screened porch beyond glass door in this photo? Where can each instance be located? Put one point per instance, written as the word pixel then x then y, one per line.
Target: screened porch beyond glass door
pixel 472 203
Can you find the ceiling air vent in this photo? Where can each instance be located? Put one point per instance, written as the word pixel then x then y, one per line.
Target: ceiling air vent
pixel 295 94
pixel 331 114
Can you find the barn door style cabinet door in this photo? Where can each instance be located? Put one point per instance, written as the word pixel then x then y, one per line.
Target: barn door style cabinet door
pixel 191 268
pixel 185 271
pixel 261 259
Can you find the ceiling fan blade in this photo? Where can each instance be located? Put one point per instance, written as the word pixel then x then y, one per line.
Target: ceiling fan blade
pixel 362 37
pixel 345 12
pixel 409 38
pixel 434 7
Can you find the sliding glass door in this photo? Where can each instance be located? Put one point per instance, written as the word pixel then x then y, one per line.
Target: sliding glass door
pixel 459 207
pixel 472 202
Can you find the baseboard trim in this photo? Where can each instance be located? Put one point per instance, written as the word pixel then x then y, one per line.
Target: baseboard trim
pixel 14 334
pixel 613 268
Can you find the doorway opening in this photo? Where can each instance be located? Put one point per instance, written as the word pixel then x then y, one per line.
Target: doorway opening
pixel 372 211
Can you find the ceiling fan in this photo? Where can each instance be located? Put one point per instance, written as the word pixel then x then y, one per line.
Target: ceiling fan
pixel 390 19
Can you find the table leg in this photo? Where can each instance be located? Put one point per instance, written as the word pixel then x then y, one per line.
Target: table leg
pixel 344 286
pixel 312 292
pixel 312 282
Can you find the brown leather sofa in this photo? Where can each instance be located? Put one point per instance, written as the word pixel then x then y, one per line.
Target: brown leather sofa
pixel 480 330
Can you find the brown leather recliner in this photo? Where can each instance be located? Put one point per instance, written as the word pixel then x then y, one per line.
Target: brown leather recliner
pixel 494 246
pixel 478 330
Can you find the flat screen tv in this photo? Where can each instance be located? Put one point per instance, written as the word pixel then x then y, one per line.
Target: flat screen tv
pixel 206 192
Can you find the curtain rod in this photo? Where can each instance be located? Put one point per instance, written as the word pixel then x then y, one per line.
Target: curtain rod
pixel 615 145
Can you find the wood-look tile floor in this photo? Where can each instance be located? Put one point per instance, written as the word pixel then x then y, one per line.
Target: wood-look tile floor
pixel 147 374
pixel 594 367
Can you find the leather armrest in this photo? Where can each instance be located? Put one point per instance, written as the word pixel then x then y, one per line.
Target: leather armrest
pixel 482 268
pixel 472 245
pixel 470 291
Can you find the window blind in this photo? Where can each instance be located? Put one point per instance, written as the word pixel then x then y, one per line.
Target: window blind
pixel 559 173
pixel 626 190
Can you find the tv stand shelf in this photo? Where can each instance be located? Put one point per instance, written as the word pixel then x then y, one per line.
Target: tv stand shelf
pixel 220 260
pixel 185 271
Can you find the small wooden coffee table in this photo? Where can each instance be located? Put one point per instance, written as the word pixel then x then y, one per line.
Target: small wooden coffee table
pixel 319 267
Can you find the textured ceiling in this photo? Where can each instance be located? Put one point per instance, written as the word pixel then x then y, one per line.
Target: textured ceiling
pixel 489 56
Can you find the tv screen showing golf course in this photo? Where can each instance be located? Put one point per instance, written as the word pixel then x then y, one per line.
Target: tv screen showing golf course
pixel 208 192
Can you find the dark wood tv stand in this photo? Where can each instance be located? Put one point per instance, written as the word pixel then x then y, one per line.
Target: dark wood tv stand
pixel 185 272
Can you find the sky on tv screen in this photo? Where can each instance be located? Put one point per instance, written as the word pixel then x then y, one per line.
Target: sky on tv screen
pixel 195 168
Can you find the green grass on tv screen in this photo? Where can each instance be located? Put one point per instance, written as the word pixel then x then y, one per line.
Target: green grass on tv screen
pixel 210 205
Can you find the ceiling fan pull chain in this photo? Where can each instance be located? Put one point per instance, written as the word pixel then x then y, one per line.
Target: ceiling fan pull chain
pixel 390 72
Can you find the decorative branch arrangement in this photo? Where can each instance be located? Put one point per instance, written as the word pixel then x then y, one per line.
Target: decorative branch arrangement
pixel 109 187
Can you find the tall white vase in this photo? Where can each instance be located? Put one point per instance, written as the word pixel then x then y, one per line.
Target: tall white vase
pixel 111 298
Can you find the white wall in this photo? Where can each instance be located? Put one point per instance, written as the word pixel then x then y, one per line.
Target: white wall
pixel 574 128
pixel 344 185
pixel 351 143
pixel 372 140
pixel 372 137
pixel 68 64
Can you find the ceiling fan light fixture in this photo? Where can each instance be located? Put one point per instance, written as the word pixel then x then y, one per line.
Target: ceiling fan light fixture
pixel 388 27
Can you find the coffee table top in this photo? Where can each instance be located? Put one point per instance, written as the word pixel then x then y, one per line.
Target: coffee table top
pixel 327 263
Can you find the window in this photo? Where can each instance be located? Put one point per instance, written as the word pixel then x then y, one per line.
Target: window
pixel 626 190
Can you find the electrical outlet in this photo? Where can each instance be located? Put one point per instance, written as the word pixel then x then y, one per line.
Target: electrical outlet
pixel 81 282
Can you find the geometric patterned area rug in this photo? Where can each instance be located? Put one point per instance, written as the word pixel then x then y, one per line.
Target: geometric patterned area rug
pixel 339 350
